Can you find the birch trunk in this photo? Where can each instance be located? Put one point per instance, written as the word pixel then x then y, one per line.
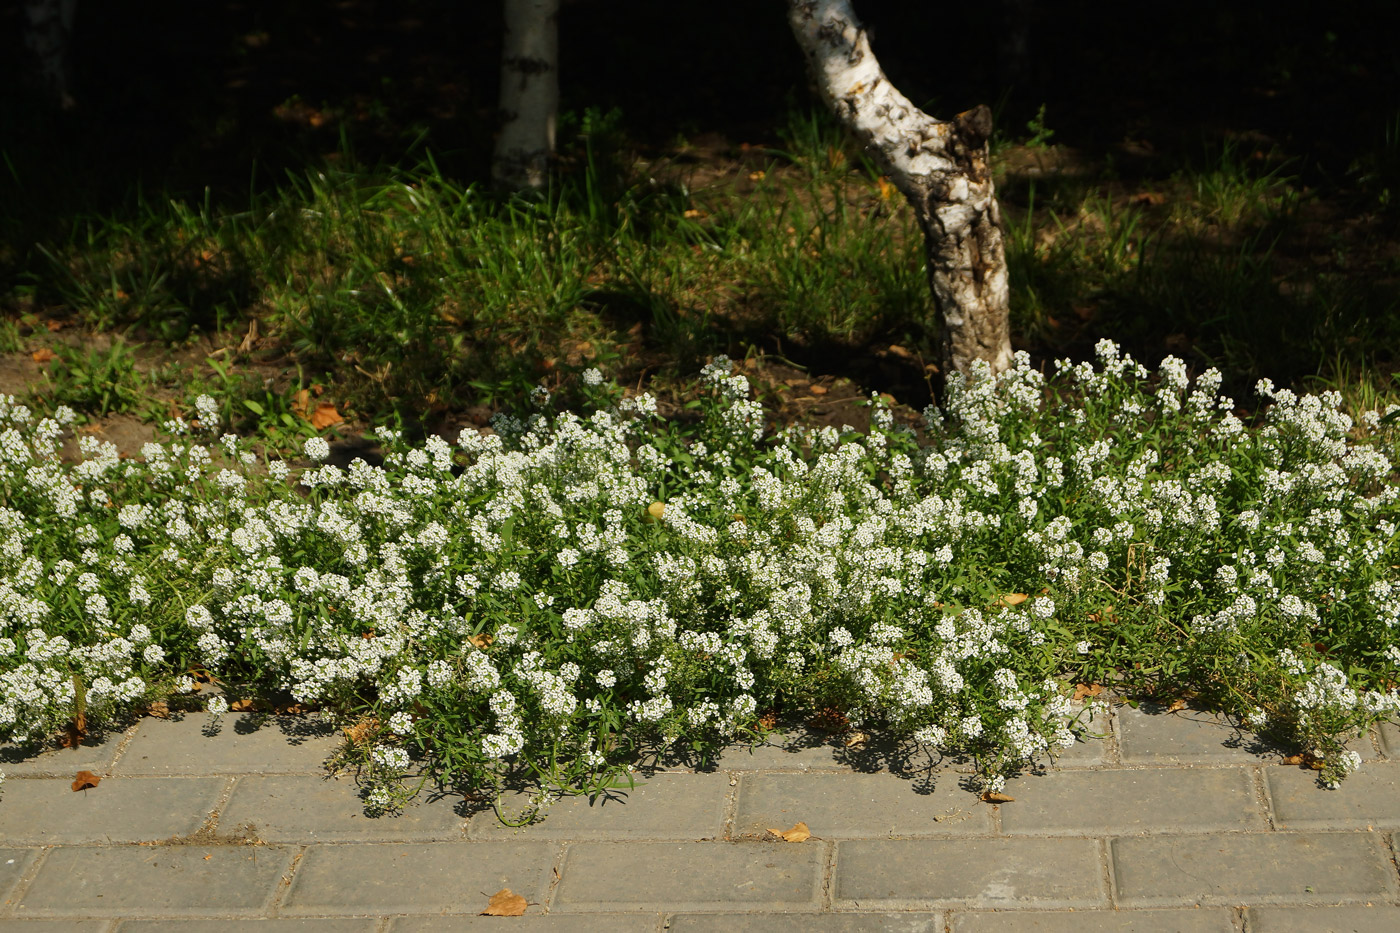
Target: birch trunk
pixel 941 167
pixel 529 94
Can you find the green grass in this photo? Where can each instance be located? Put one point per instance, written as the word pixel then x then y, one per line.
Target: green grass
pixel 409 292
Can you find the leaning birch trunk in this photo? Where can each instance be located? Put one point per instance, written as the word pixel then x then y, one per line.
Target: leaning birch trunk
pixel 941 167
pixel 529 94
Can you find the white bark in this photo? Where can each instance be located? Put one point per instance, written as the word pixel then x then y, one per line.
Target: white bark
pixel 940 166
pixel 529 94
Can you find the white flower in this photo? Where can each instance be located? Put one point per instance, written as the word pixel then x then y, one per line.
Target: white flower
pixel 316 448
pixel 592 377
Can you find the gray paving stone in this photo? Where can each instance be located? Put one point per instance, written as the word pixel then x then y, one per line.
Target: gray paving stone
pixel 836 806
pixel 1096 921
pixel 374 879
pixel 141 881
pixel 545 923
pixel 1323 919
pixel 46 811
pixel 307 808
pixel 662 806
pixel 1390 739
pixel 1149 735
pixel 1086 752
pixel 246 743
pixel 1129 801
pixel 13 864
pixel 337 925
pixel 1254 868
pixel 1368 798
pixel 94 754
pixel 910 874
pixel 797 750
pixel 690 876
pixel 807 923
pixel 55 926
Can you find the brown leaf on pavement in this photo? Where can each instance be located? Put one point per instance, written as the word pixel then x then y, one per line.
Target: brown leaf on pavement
pixel 799 833
pixel 74 732
pixel 159 709
pixel 241 706
pixel 993 796
pixel 85 779
pixel 1176 705
pixel 505 903
pixel 42 355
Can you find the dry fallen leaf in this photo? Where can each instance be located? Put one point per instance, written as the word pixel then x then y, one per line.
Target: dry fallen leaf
pixel 42 355
pixel 362 731
pixel 324 416
pixel 85 779
pixel 992 796
pixel 1086 690
pixel 854 739
pixel 655 511
pixel 1014 599
pixel 481 640
pixel 505 903
pixel 74 732
pixel 886 190
pixel 241 706
pixel 818 390
pixel 1176 705
pixel 799 833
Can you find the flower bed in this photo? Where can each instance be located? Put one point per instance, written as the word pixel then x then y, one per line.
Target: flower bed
pixel 545 599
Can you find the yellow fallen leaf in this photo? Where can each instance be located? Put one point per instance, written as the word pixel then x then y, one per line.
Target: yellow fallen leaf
pixel 655 511
pixel 854 739
pixel 1086 690
pixel 799 833
pixel 1176 705
pixel 505 903
pixel 481 640
pixel 1014 599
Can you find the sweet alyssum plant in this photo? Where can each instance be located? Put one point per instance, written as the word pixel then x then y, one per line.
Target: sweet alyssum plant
pixel 547 599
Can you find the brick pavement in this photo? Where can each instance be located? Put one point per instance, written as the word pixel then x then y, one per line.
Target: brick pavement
pixel 1170 822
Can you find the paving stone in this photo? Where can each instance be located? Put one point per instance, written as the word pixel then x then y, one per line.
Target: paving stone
pixel 1323 919
pixel 124 881
pixel 662 806
pixel 1390 739
pixel 1150 734
pixel 338 925
pixel 807 923
pixel 1096 921
pixel 13 864
pixel 246 743
pixel 909 874
pixel 306 808
pixel 1255 868
pixel 1368 798
pixel 1156 799
pixel 690 876
pixel 67 925
pixel 529 923
pixel 45 811
pixel 836 806
pixel 798 750
pixel 415 878
pixel 93 754
pixel 1086 752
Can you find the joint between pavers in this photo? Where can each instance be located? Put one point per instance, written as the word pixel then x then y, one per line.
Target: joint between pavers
pixel 284 885
pixel 1104 848
pixel 731 806
pixel 26 879
pixel 828 878
pixel 127 738
pixel 1263 796
pixel 556 875
pixel 1238 919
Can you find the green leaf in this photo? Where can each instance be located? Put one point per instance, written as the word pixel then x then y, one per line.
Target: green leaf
pixel 254 407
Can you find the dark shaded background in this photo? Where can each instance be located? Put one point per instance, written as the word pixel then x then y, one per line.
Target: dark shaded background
pixel 181 95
